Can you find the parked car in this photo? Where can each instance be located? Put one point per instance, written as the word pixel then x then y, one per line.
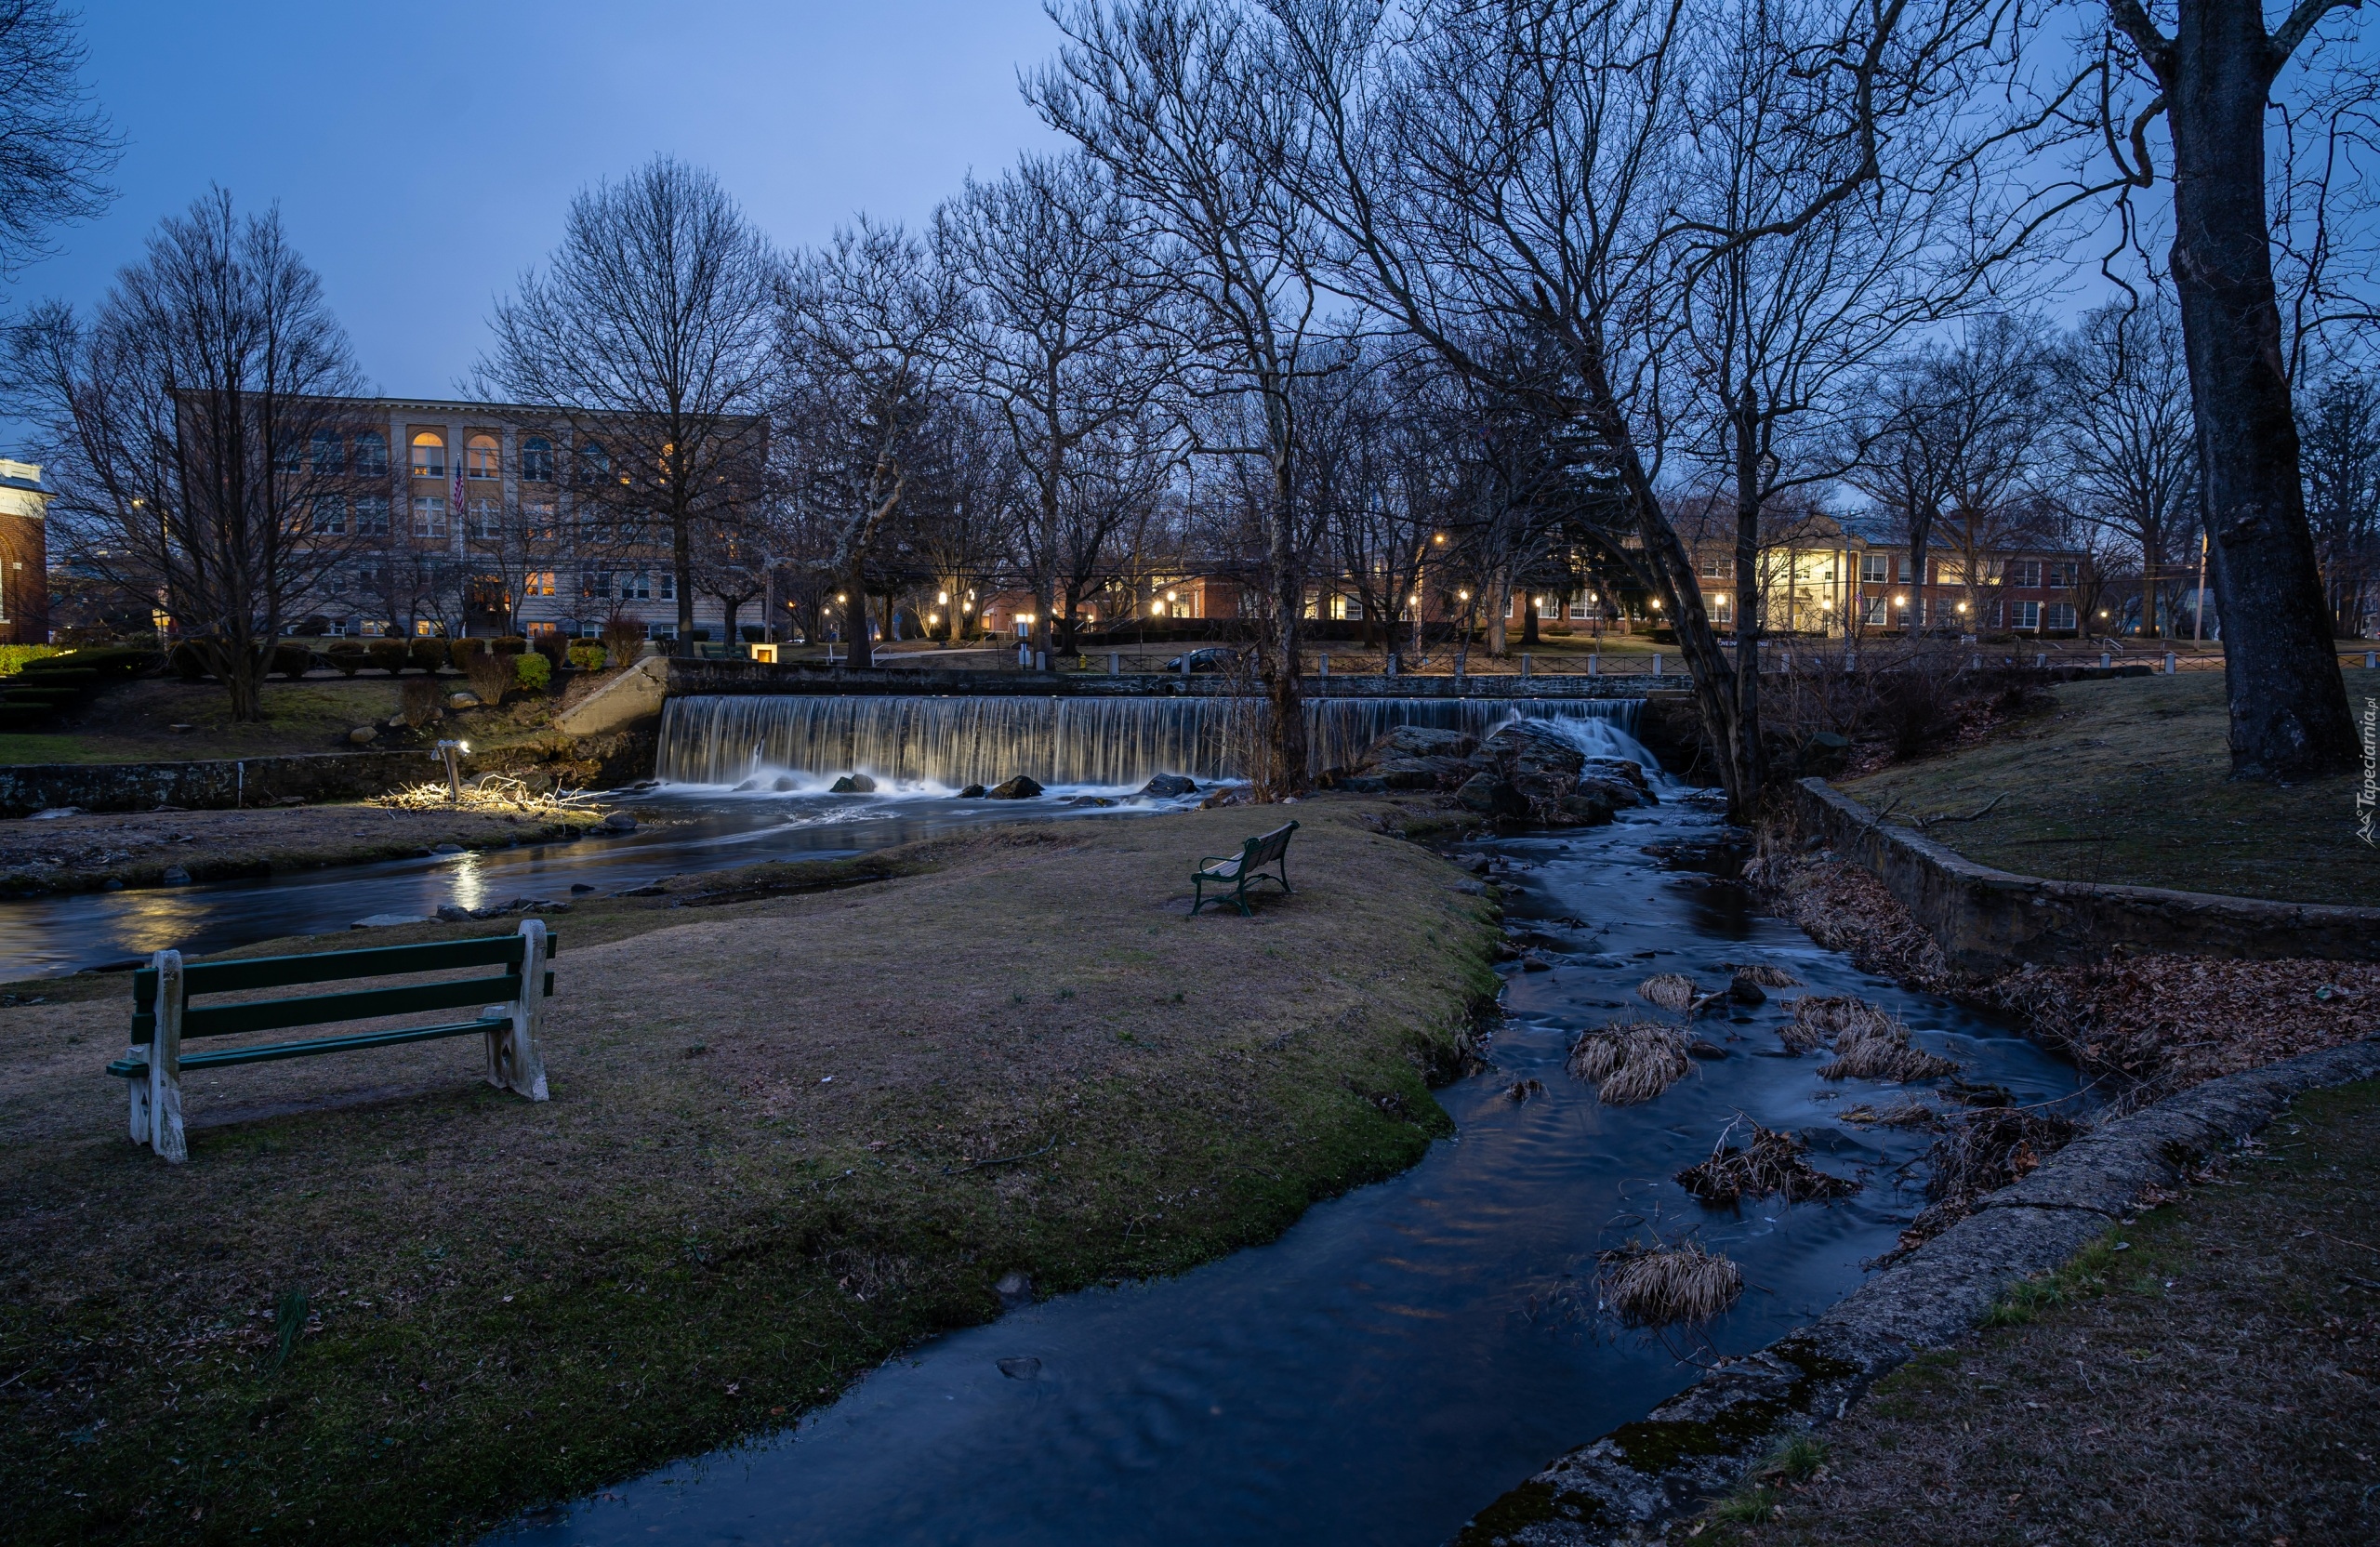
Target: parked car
pixel 1214 658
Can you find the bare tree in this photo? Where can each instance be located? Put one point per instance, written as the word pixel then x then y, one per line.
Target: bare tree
pixel 2122 401
pixel 1177 100
pixel 179 426
pixel 55 148
pixel 650 332
pixel 2213 79
pixel 2340 430
pixel 865 329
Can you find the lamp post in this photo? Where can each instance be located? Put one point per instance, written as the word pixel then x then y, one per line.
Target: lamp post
pixel 452 751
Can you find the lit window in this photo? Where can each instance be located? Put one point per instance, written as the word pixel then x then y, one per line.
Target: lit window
pixel 429 516
pixel 538 460
pixel 372 516
pixel 328 454
pixel 372 454
pixel 330 515
pixel 537 519
pixel 429 455
pixel 480 458
pixel 541 583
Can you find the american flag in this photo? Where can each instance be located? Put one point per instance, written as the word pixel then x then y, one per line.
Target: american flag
pixel 455 504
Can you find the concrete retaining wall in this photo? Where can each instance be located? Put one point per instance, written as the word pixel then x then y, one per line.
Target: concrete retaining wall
pixel 691 677
pixel 1986 920
pixel 28 787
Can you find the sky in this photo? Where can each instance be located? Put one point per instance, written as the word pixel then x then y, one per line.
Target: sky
pixel 423 155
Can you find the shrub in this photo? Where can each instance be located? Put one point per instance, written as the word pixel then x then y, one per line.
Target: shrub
pixel 490 674
pixel 291 661
pixel 533 671
pixel 387 655
pixel 622 638
pixel 115 663
pixel 586 654
pixel 347 658
pixel 551 646
pixel 460 651
pixel 428 655
pixel 417 702
pixel 510 644
pixel 187 663
pixel 15 657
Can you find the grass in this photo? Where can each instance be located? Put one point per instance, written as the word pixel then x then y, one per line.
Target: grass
pixel 2127 781
pixel 2206 1373
pixel 802 1116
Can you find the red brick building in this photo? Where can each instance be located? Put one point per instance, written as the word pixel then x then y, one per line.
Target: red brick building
pixel 24 554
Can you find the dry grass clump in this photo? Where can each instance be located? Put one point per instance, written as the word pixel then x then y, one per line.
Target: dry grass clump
pixel 1869 1042
pixel 1669 991
pixel 1823 1020
pixel 1664 1286
pixel 1630 1061
pixel 492 792
pixel 1772 1162
pixel 1995 1146
pixel 1762 973
pixel 1906 1114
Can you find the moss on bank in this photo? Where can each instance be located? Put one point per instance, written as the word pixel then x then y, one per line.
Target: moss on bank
pixel 790 1134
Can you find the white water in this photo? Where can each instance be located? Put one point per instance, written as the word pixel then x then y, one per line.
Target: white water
pixel 941 744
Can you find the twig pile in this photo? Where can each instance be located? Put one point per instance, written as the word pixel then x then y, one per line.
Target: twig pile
pixel 1659 1286
pixel 1773 1162
pixel 488 792
pixel 1995 1146
pixel 1630 1061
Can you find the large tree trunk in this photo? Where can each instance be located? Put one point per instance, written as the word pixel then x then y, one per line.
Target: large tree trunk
pixel 2289 709
pixel 1290 775
pixel 1751 756
pixel 681 561
pixel 856 651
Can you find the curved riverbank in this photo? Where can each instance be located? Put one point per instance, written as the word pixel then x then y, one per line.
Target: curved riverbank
pixel 788 1135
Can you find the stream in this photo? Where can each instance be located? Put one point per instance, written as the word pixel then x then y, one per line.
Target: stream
pixel 1403 1354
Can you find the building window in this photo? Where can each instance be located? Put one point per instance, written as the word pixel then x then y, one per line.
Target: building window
pixel 1875 616
pixel 595 583
pixel 538 460
pixel 2058 615
pixel 541 583
pixel 329 456
pixel 372 516
pixel 636 588
pixel 372 454
pixel 594 462
pixel 1717 566
pixel 480 520
pixel 2028 614
pixel 429 516
pixel 668 584
pixel 330 515
pixel 429 455
pixel 480 458
pixel 288 458
pixel 1723 609
pixel 2059 574
pixel 537 519
pixel 2025 574
pixel 1875 569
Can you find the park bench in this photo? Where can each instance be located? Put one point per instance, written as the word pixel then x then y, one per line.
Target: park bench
pixel 1236 871
pixel 163 1018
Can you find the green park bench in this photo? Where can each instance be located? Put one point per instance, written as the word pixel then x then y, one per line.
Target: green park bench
pixel 1236 871
pixel 163 1016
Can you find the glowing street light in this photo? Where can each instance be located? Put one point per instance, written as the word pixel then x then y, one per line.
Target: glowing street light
pixel 941 598
pixel 840 597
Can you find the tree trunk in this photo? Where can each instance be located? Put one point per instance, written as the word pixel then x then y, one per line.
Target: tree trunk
pixel 681 561
pixel 1528 623
pixel 2289 710
pixel 728 607
pixel 1290 773
pixel 855 646
pixel 1749 756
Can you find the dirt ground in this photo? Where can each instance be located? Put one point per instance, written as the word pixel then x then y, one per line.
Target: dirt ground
pixel 2207 1374
pixel 789 1132
pixel 84 853
pixel 2128 781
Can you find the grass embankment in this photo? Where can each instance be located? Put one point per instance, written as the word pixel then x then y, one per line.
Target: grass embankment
pixel 134 721
pixel 788 1135
pixel 2127 782
pixel 2210 1373
pixel 84 853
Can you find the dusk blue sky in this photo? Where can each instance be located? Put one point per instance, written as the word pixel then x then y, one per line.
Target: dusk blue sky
pixel 423 155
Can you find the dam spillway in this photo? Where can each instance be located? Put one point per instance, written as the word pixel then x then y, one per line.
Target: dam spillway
pixel 951 741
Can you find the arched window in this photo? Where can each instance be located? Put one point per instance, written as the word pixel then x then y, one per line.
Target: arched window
pixel 594 462
pixel 538 460
pixel 328 454
pixel 372 454
pixel 480 458
pixel 430 454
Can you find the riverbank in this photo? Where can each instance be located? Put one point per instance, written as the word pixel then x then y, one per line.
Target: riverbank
pixel 792 1130
pixel 2127 782
pixel 101 851
pixel 2208 1372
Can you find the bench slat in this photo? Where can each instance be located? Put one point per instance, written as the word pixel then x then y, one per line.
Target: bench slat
pixel 125 1067
pixel 227 1020
pixel 145 1023
pixel 379 961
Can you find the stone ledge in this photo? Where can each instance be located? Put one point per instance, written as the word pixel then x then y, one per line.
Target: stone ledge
pixel 1627 1485
pixel 1986 920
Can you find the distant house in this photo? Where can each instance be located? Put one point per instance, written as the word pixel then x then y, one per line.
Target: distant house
pixel 24 554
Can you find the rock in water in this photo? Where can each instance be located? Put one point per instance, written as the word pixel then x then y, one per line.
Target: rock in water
pixel 858 783
pixel 1490 796
pixel 785 782
pixel 1018 788
pixel 619 822
pixel 452 913
pixel 385 921
pixel 973 792
pixel 1168 787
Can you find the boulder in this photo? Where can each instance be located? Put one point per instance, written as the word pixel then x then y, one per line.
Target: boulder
pixel 783 783
pixel 1590 810
pixel 1625 769
pixel 619 822
pixel 1412 756
pixel 389 921
pixel 1490 796
pixel 973 792
pixel 364 735
pixel 858 783
pixel 462 700
pixel 1018 788
pixel 1168 787
pixel 452 913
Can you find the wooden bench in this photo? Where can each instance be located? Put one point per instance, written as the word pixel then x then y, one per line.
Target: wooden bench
pixel 1236 870
pixel 163 1016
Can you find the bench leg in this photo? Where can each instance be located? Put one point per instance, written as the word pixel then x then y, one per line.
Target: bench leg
pixel 136 1089
pixel 166 1063
pixel 513 1063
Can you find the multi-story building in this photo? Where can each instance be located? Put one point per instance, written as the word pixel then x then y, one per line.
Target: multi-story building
pixel 24 554
pixel 475 518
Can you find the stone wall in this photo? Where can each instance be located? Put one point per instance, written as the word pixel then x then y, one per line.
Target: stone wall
pixel 1986 920
pixel 28 787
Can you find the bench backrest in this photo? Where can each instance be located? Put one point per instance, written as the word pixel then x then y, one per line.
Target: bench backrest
pixel 503 951
pixel 1264 848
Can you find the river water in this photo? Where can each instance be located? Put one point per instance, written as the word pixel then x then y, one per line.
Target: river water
pixel 1403 1353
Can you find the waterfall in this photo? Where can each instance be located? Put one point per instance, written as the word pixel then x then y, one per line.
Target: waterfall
pixel 1103 743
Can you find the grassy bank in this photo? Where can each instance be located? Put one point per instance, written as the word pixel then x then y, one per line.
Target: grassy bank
pixel 2128 782
pixel 2209 1373
pixel 84 853
pixel 791 1130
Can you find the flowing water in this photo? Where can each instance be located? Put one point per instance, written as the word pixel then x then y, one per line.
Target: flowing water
pixel 1406 1353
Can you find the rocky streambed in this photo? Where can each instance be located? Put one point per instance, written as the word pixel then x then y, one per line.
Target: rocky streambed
pixel 1528 774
